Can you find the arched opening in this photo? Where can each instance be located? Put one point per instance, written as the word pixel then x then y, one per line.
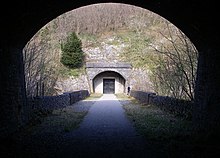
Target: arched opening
pixel 109 82
pixel 196 19
pixel 129 34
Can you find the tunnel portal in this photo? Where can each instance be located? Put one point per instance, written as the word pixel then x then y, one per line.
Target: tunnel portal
pixel 109 82
pixel 108 77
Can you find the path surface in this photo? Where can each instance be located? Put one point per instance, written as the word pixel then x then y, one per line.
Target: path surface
pixel 105 132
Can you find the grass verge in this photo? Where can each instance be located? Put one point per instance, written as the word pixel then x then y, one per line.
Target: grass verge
pixel 94 96
pixel 169 134
pixel 58 121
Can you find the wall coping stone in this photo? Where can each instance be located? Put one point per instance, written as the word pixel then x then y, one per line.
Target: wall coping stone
pixel 108 65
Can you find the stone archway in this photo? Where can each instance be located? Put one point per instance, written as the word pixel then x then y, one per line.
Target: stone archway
pixel 118 71
pixel 109 82
pixel 197 19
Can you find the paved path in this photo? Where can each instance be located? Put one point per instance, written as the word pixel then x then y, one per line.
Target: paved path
pixel 105 132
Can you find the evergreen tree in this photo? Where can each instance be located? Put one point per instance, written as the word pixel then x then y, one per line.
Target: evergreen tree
pixel 72 54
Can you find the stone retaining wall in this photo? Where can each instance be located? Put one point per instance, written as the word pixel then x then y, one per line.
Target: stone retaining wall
pixel 77 95
pixel 182 108
pixel 52 102
pixel 142 96
pixel 46 104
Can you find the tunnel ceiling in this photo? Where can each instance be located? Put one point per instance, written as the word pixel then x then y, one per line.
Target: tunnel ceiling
pixel 109 72
pixel 22 19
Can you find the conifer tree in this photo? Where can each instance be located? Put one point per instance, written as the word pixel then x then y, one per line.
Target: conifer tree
pixel 72 54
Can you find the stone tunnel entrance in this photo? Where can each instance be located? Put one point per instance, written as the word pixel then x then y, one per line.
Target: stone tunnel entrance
pixel 109 82
pixel 106 77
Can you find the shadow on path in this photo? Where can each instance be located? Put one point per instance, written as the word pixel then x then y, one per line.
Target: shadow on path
pixel 105 132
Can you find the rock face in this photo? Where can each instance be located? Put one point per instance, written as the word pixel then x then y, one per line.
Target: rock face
pixel 139 80
pixel 72 84
pixel 107 51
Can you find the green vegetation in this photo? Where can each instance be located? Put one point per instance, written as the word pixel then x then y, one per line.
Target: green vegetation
pixel 94 96
pixel 72 54
pixel 136 47
pixel 154 123
pixel 60 120
pixel 89 40
pixel 122 96
pixel 169 134
pixel 168 55
pixel 66 72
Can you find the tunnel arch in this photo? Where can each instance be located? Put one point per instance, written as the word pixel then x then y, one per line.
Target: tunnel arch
pixel 109 70
pixel 99 7
pixel 197 19
pixel 109 81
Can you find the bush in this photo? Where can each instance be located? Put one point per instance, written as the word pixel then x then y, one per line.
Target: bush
pixel 72 54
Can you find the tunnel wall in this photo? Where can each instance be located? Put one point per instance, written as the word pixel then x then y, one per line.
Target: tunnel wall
pixel 206 112
pixel 12 90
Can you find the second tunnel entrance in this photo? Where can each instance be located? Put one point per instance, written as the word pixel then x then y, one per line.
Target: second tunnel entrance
pixel 109 82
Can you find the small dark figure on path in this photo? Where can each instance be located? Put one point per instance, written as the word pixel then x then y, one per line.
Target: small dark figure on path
pixel 129 89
